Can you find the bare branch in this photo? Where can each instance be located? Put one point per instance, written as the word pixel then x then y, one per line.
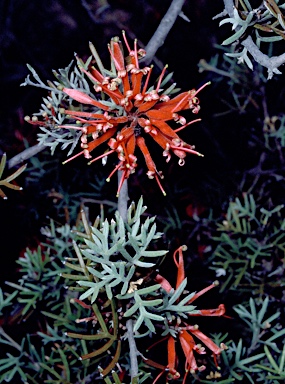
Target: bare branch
pixel 26 154
pixel 164 27
pixel 123 197
pixel 133 349
pixel 271 63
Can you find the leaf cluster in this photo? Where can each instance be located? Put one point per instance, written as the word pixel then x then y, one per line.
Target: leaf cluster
pixel 265 22
pixel 260 356
pixel 250 244
pixel 49 354
pixel 80 331
pixel 110 261
pixel 7 181
pixel 53 105
pixel 242 85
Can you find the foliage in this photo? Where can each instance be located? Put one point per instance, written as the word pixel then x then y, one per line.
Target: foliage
pixel 7 181
pixel 248 238
pixel 244 86
pixel 259 353
pixel 264 18
pixel 265 23
pixel 250 245
pixel 102 261
pixel 84 284
pixel 51 108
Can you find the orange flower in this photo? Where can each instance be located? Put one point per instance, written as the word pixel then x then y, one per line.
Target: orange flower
pixel 134 110
pixel 184 331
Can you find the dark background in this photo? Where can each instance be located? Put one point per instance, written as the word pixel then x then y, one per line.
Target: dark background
pixel 46 35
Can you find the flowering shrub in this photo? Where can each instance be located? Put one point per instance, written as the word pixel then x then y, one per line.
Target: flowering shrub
pixel 117 285
pixel 99 284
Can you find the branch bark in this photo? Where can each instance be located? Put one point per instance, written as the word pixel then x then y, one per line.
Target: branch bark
pixel 163 29
pixel 123 211
pixel 133 350
pixel 26 154
pixel 123 198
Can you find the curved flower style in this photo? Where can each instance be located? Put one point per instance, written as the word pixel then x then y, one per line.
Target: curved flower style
pixel 185 332
pixel 135 109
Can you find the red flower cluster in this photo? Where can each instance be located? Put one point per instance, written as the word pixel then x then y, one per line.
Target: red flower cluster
pixel 184 331
pixel 136 108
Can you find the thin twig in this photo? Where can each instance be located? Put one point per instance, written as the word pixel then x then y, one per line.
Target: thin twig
pixel 133 349
pixel 123 211
pixel 123 198
pixel 26 154
pixel 164 27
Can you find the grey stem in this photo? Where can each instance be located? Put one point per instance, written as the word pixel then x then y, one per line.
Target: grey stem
pixel 123 211
pixel 26 154
pixel 164 27
pixel 123 197
pixel 133 349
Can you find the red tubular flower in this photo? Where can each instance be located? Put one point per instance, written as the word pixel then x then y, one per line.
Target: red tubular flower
pixel 135 111
pixel 172 373
pixel 185 332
